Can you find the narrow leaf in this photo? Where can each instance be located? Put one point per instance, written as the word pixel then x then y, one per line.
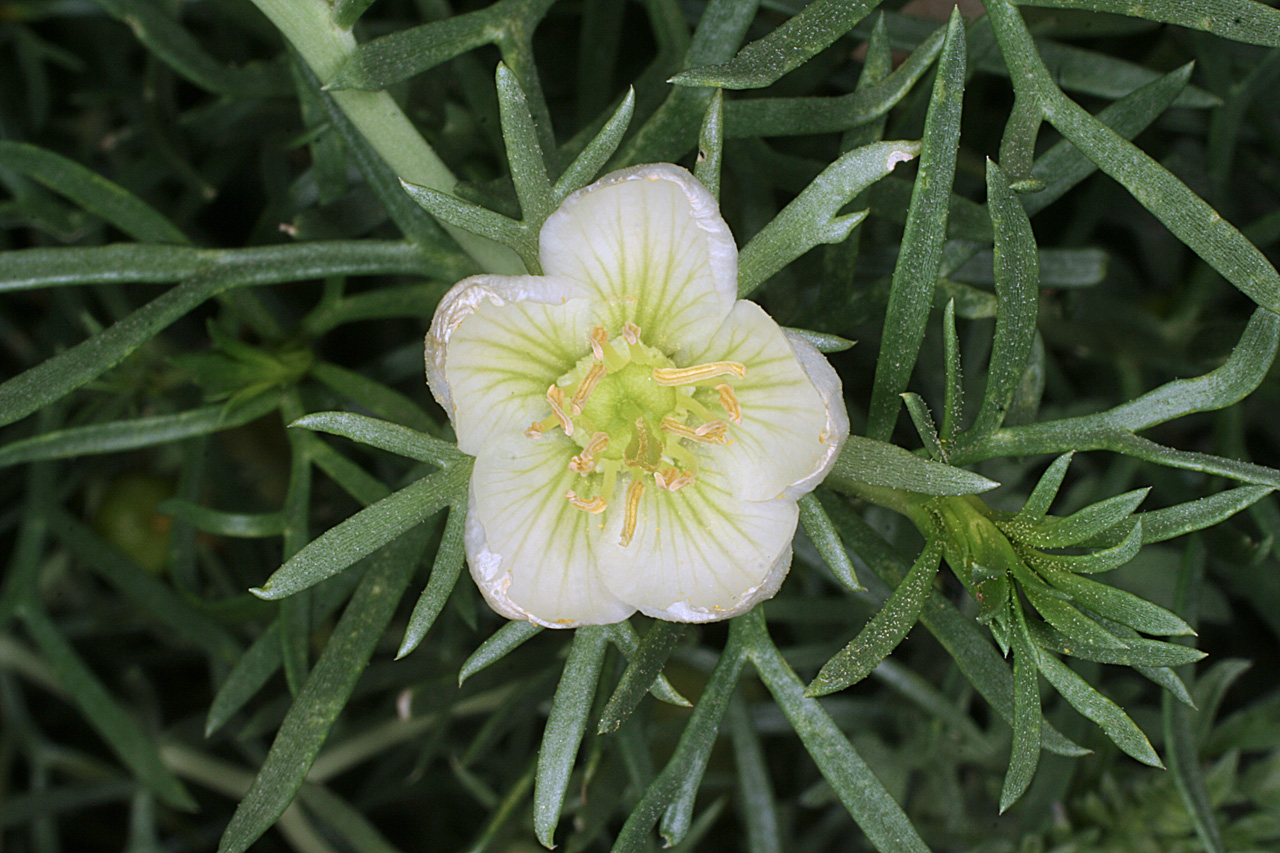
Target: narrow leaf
pixel 384 435
pixel 877 463
pixel 822 533
pixel 1025 756
pixel 504 641
pixel 642 671
pixel 444 576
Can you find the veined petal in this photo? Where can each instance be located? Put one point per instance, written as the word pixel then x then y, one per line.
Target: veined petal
pixel 650 241
pixel 497 348
pixel 701 553
pixel 531 552
pixel 787 431
pixel 827 382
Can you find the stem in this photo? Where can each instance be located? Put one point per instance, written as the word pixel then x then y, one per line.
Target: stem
pixel 326 47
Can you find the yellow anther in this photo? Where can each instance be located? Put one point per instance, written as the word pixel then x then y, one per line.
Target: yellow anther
pixel 599 339
pixel 595 506
pixel 586 386
pixel 534 430
pixel 715 432
pixel 631 332
pixel 585 463
pixel 729 401
pixel 634 492
pixel 555 397
pixel 672 479
pixel 697 373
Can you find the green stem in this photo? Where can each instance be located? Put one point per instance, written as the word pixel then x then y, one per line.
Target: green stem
pixel 325 46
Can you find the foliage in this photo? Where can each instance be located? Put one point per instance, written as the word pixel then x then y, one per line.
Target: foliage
pixel 226 226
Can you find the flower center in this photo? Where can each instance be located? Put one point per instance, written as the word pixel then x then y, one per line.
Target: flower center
pixel 633 413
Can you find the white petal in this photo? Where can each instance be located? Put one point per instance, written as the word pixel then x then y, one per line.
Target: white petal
pixel 699 554
pixel 532 553
pixel 650 241
pixel 496 344
pixel 827 381
pixel 787 432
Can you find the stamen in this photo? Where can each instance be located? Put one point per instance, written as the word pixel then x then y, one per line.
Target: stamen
pixel 715 432
pixel 585 462
pixel 534 430
pixel 672 479
pixel 729 401
pixel 634 492
pixel 599 338
pixel 631 332
pixel 586 386
pixel 697 373
pixel 595 506
pixel 555 396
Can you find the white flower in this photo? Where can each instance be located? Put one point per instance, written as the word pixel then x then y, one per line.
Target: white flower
pixel 641 435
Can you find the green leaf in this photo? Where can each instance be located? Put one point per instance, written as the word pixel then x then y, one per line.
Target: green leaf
pixel 755 117
pixel 365 532
pixel 759 807
pixel 382 400
pixel 91 191
pixel 259 662
pixel 764 61
pixel 1061 614
pixel 121 731
pixel 504 641
pixel 1161 524
pixel 1140 651
pixel 922 419
pixel 684 770
pixel 881 635
pixel 1063 532
pixel 1099 561
pixel 1025 756
pixel 1113 721
pixel 864 460
pixel 822 341
pixel 1119 606
pixel 383 435
pixel 812 217
pixel 477 220
pixel 1240 20
pixel 119 436
pixel 326 691
pixel 873 809
pixel 444 576
pixel 953 399
pixel 643 670
pixel 524 153
pixel 911 291
pixel 1063 166
pixel 565 728
pixel 622 635
pixel 1017 289
pixel 711 145
pixel 592 159
pixel 1041 498
pixel 822 533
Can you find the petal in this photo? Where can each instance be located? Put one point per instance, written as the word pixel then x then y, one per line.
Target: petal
pixel 496 344
pixel 533 554
pixel 650 241
pixel 787 431
pixel 827 382
pixel 699 554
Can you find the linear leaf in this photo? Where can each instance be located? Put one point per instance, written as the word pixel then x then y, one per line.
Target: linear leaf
pixel 822 533
pixel 1027 718
pixel 445 571
pixel 364 533
pixel 1041 498
pixel 1065 531
pixel 91 191
pixel 504 641
pixel 914 275
pixel 642 671
pixel 881 635
pixel 1141 652
pixel 764 61
pixel 591 160
pixel 1093 563
pixel 384 435
pixel 118 436
pixel 326 691
pixel 565 728
pixel 872 807
pixel 877 463
pixel 1017 275
pixel 811 218
pixel 1239 20
pixel 758 806
pixel 1119 606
